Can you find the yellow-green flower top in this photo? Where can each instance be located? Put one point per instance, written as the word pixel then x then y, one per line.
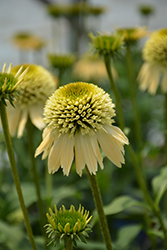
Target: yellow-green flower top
pixel 63 61
pixel 155 49
pixel 9 83
pixel 132 35
pixel 78 106
pixel 26 41
pixel 106 44
pixel 37 86
pixel 64 224
pixel 57 10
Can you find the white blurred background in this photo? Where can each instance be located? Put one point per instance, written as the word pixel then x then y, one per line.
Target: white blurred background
pixel 31 16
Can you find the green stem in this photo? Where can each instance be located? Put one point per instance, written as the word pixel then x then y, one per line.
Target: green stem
pixel 15 173
pixel 140 179
pixel 69 244
pixel 133 96
pixel 165 116
pixel 99 206
pixel 107 60
pixel 30 136
pixel 166 128
pixel 135 107
pixel 49 186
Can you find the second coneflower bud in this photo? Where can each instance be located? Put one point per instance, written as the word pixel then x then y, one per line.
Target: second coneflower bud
pixel 68 225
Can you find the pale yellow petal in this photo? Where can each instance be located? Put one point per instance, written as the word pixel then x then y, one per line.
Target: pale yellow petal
pixel 110 148
pixel 35 113
pixel 54 156
pixel 46 143
pixel 164 83
pixel 89 154
pixel 116 133
pixel 95 146
pixel 22 123
pixel 13 115
pixel 67 153
pixel 79 158
pixel 154 80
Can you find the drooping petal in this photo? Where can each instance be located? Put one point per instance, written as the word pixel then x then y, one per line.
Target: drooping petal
pixel 54 156
pixel 110 148
pixel 96 149
pixel 22 123
pixel 89 155
pixel 79 157
pixel 67 153
pixel 35 113
pixel 116 133
pixel 46 144
pixel 164 82
pixel 13 119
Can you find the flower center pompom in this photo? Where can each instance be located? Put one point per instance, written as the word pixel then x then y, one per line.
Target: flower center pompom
pixel 79 106
pixel 155 50
pixel 38 84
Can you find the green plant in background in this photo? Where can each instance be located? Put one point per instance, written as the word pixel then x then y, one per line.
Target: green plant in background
pixel 9 86
pixel 108 54
pixel 68 226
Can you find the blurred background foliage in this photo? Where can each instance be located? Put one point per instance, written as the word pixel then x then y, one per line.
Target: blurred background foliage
pixel 122 197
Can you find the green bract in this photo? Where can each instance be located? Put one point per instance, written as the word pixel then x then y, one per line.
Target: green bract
pixel 106 44
pixel 68 224
pixel 9 83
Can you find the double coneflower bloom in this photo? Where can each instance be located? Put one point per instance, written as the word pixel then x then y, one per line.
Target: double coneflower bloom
pixel 155 63
pixel 79 119
pixel 37 86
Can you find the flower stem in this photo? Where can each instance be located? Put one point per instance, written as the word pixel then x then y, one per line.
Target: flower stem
pixel 133 96
pixel 99 206
pixel 135 107
pixel 29 128
pixel 166 128
pixel 139 176
pixel 107 60
pixel 69 244
pixel 15 173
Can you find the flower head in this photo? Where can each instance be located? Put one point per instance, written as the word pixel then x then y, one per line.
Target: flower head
pixel 155 57
pixel 106 44
pixel 63 61
pixel 78 117
pixel 65 224
pixel 146 10
pixel 57 10
pixel 132 35
pixel 9 83
pixel 26 41
pixel 37 86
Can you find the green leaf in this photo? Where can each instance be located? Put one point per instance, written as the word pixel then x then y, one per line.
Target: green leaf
pixel 126 235
pixel 118 205
pixel 159 184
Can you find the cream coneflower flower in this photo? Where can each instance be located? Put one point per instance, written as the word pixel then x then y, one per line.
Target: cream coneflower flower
pixel 79 118
pixel 37 86
pixel 155 65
